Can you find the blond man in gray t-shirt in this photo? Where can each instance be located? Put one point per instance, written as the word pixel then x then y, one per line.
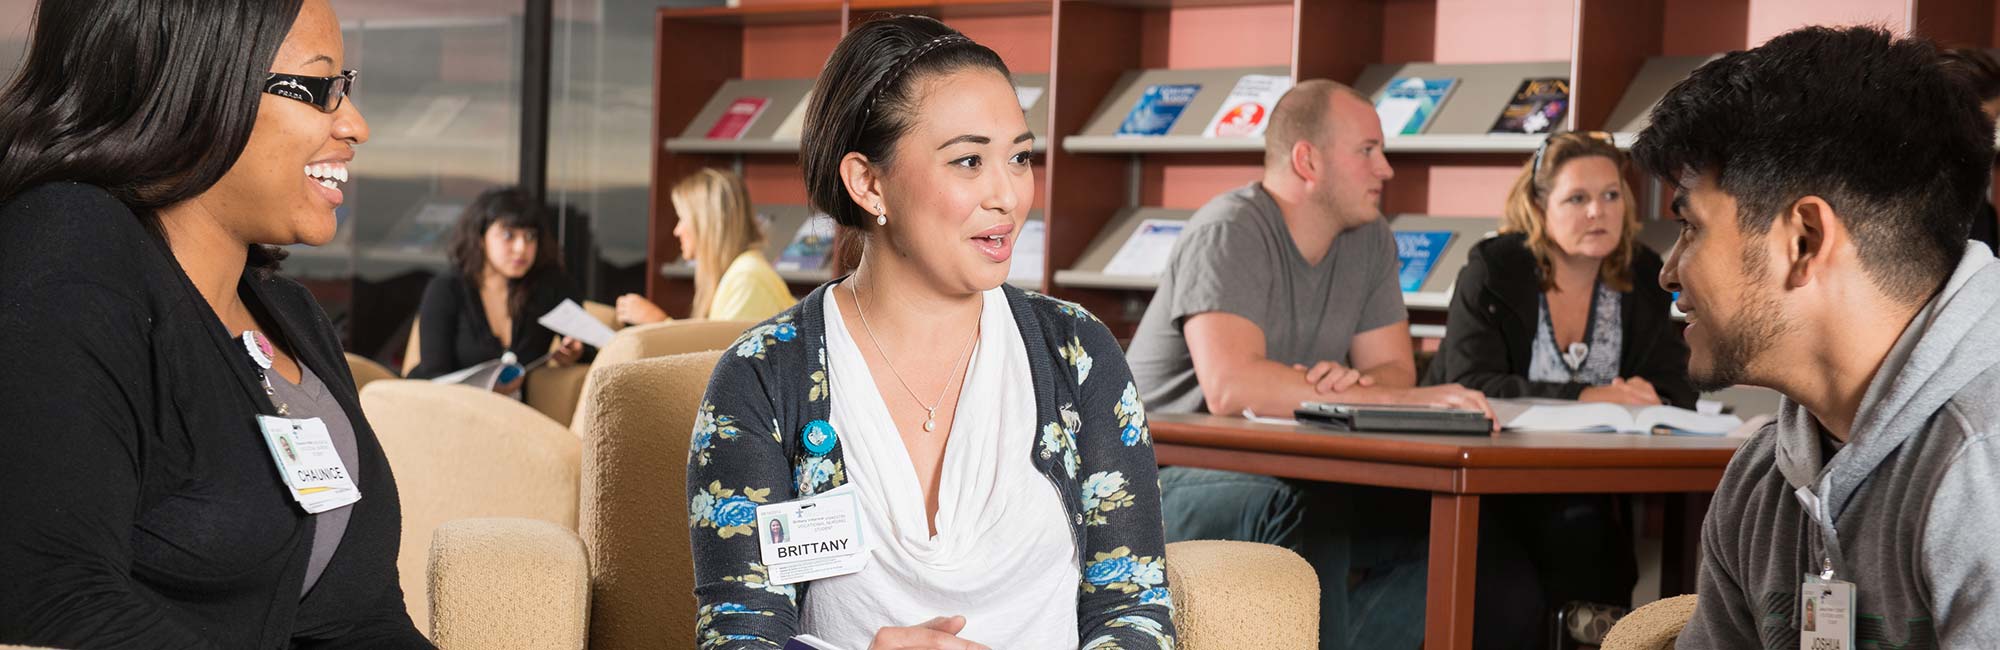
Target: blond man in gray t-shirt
pixel 1281 292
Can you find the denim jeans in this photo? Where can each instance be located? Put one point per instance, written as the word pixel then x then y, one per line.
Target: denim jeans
pixel 1368 545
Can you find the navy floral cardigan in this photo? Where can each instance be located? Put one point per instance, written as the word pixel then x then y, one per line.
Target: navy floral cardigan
pixel 751 446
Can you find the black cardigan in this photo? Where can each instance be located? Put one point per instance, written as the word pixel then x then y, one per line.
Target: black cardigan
pixel 1495 309
pixel 453 333
pixel 141 508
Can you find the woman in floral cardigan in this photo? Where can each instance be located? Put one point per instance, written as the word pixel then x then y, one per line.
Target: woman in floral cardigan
pixel 992 437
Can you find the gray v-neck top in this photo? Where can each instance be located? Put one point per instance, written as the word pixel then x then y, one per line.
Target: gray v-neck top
pixel 310 399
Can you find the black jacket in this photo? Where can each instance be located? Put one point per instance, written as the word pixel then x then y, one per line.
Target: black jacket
pixel 139 506
pixel 1494 314
pixel 453 333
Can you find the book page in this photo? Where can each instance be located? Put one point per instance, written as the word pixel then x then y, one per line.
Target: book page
pixel 1571 416
pixel 1685 421
pixel 1145 252
pixel 569 319
pixel 1246 112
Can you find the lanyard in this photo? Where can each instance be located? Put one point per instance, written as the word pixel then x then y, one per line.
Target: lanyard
pixel 1816 512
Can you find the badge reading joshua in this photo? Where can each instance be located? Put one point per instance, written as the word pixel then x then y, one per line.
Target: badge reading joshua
pixel 812 538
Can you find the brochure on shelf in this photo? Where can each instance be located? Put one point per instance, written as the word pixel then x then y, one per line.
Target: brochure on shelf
pixel 1028 95
pixel 1029 248
pixel 1145 252
pixel 736 120
pixel 809 247
pixel 1416 253
pixel 1408 104
pixel 794 126
pixel 1247 111
pixel 1538 107
pixel 1158 109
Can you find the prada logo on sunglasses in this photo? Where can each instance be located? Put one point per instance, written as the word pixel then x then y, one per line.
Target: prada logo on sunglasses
pixel 291 90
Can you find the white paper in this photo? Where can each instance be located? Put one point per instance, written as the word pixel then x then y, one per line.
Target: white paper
pixel 482 376
pixel 814 642
pixel 1259 419
pixel 1029 248
pixel 1028 95
pixel 1145 252
pixel 1247 110
pixel 1598 416
pixel 569 319
pixel 795 122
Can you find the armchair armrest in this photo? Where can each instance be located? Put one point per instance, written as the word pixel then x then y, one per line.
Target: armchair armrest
pixel 508 583
pixel 1242 595
pixel 1653 627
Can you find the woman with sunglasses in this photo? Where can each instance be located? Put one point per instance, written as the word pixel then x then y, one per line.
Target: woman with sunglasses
pixel 1562 304
pixel 183 462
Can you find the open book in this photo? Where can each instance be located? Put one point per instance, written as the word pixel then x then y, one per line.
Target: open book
pixel 1538 415
pixel 568 319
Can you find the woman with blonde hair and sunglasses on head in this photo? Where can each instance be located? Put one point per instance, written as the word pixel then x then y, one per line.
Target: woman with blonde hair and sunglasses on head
pixel 1564 304
pixel 718 231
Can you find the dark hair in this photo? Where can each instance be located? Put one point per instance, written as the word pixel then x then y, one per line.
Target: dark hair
pixel 511 207
pixel 151 101
pixel 864 100
pixel 1871 123
pixel 1976 68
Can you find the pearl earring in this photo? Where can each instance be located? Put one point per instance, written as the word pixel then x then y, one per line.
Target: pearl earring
pixel 881 217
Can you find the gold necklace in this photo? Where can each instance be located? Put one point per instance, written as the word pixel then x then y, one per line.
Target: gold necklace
pixel 930 416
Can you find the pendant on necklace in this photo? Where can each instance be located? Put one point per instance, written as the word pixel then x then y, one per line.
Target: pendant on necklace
pixel 930 421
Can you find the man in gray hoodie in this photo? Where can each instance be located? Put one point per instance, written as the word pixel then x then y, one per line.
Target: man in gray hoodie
pixel 1822 182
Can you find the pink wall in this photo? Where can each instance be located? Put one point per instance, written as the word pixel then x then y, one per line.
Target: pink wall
pixel 787 51
pixel 1770 18
pixel 1217 37
pixel 1021 41
pixel 1500 31
pixel 1470 191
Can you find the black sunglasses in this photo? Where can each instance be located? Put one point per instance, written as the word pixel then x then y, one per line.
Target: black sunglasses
pixel 324 93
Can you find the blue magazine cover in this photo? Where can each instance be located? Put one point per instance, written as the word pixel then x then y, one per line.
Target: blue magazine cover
pixel 1157 111
pixel 1407 105
pixel 1416 252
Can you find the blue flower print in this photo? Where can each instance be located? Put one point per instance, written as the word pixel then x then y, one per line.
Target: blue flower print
pixel 752 346
pixel 1132 418
pixel 1068 308
pixel 1156 596
pixel 1121 571
pixel 1077 358
pixel 785 332
pixel 759 339
pixel 1060 439
pixel 707 428
pixel 817 474
pixel 759 578
pixel 729 513
pixel 704 624
pixel 1102 493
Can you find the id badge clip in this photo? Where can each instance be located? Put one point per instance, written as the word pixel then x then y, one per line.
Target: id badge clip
pixel 812 538
pixel 309 463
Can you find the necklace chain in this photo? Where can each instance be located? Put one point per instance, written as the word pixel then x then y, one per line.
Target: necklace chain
pixel 930 418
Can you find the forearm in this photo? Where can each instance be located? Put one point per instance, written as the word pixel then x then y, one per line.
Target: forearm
pixel 1264 387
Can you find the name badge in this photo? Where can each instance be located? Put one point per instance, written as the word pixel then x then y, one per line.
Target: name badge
pixel 812 538
pixel 309 463
pixel 1826 614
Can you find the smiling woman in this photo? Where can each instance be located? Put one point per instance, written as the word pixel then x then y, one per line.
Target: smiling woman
pixel 992 439
pixel 185 451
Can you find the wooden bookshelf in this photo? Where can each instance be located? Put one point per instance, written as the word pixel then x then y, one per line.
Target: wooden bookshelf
pixel 1620 56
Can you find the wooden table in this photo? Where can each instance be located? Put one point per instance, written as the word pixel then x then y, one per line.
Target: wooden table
pixel 1456 470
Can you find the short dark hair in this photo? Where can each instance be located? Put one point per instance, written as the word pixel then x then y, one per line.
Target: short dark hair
pixel 1301 115
pixel 151 100
pixel 864 100
pixel 1976 68
pixel 508 206
pixel 1872 123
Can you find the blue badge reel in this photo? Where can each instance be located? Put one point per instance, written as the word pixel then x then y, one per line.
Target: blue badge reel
pixel 820 438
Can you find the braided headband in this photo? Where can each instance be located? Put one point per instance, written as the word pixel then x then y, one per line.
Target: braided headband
pixel 902 64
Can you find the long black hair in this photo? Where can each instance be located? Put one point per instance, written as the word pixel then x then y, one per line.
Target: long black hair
pixel 151 100
pixel 509 206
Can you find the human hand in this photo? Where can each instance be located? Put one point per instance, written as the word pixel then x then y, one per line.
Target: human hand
pixel 939 633
pixel 1450 396
pixel 1635 391
pixel 1330 377
pixel 567 351
pixel 634 309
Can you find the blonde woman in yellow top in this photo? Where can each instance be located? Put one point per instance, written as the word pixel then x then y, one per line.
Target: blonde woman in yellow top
pixel 719 232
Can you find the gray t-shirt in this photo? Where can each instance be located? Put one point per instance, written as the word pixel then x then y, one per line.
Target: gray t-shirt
pixel 1237 256
pixel 311 399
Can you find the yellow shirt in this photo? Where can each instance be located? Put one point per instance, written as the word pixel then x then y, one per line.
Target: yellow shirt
pixel 749 290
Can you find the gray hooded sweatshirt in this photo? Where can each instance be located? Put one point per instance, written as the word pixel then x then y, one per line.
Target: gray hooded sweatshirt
pixel 1913 497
